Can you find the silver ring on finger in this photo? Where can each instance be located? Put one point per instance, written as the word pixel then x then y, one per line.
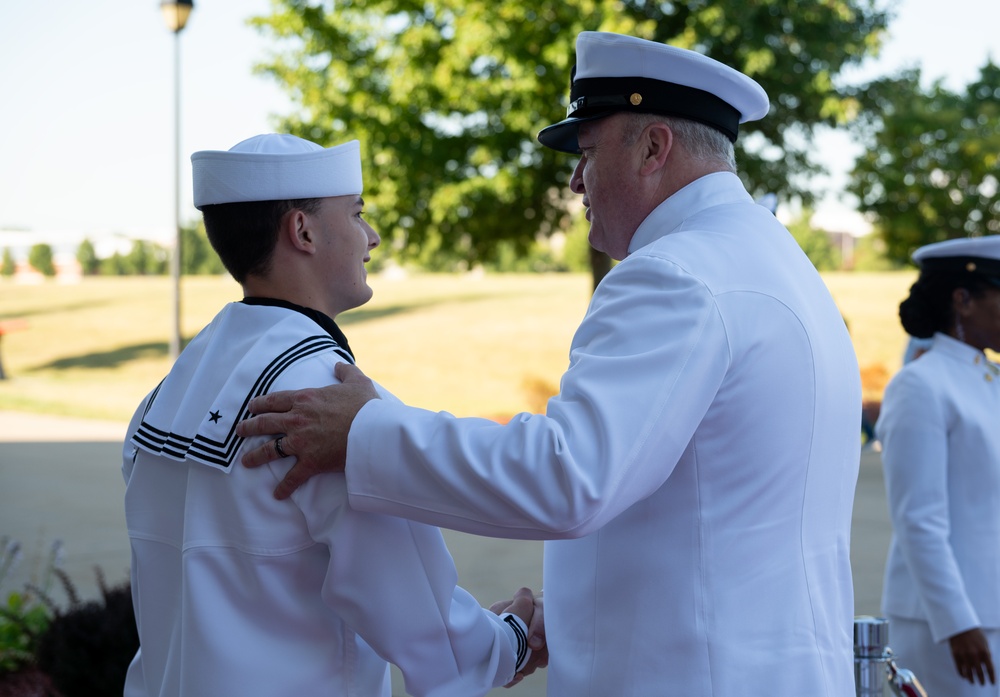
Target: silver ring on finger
pixel 278 448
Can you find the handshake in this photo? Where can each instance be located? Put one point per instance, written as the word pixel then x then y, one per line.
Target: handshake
pixel 531 610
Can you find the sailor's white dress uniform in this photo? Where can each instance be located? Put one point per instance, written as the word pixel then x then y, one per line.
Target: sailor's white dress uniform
pixel 940 429
pixel 237 593
pixel 697 468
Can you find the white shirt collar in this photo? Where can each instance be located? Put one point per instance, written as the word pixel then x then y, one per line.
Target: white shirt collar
pixel 705 192
pixel 958 350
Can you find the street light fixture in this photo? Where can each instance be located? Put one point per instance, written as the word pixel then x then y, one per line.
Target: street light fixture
pixel 175 14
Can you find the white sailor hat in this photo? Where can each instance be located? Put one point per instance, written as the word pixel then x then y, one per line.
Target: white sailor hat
pixel 275 167
pixel 979 255
pixel 622 73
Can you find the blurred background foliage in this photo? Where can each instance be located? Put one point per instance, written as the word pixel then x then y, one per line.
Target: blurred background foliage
pixel 447 97
pixel 931 166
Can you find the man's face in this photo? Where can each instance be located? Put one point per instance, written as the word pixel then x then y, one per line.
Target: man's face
pixel 605 178
pixel 344 239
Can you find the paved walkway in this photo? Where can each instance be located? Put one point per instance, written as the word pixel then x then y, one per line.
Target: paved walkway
pixel 61 479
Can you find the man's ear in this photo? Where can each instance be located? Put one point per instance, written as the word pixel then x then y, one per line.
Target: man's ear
pixel 657 142
pixel 296 227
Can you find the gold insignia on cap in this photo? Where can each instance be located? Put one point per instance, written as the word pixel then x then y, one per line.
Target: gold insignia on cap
pixel 971 266
pixel 636 99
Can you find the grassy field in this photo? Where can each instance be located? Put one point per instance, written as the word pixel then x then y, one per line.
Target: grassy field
pixel 487 345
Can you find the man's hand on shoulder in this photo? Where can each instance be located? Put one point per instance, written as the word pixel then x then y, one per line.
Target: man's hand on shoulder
pixel 310 425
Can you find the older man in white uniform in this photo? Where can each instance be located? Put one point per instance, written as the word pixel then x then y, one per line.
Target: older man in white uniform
pixel 696 471
pixel 236 593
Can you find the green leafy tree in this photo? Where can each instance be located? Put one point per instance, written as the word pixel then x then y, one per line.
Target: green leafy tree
pixel 7 266
pixel 146 259
pixel 86 256
pixel 576 251
pixel 115 265
pixel 931 166
pixel 815 243
pixel 869 254
pixel 41 259
pixel 197 255
pixel 448 95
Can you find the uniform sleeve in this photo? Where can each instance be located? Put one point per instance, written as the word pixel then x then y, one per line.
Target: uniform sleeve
pixel 651 351
pixel 915 461
pixel 128 449
pixel 394 583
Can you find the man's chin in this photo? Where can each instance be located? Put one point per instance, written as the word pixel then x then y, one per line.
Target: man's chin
pixel 594 242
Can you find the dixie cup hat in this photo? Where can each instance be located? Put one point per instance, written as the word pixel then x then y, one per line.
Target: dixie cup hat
pixel 616 73
pixel 275 167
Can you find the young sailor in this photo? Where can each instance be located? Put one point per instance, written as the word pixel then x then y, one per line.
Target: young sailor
pixel 236 593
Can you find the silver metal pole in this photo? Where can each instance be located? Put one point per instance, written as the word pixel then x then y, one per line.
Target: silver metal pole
pixel 871 655
pixel 175 258
pixel 875 671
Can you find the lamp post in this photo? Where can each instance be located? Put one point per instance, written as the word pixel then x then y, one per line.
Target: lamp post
pixel 175 14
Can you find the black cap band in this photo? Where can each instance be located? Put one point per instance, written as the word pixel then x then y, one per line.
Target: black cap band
pixel 591 97
pixel 985 267
pixel 981 265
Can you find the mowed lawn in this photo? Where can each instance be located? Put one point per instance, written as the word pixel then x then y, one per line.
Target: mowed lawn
pixel 487 345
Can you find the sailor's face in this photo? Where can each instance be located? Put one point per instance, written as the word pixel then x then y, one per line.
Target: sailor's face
pixel 345 239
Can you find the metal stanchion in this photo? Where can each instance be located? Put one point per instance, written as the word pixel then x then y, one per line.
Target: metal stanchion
pixel 871 655
pixel 874 667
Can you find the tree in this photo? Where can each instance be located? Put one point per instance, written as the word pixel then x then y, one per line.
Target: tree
pixel 448 95
pixel 869 254
pixel 197 255
pixel 40 258
pixel 86 256
pixel 8 266
pixel 145 259
pixel 115 265
pixel 815 243
pixel 931 166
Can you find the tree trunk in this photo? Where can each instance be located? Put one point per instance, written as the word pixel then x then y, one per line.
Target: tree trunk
pixel 600 264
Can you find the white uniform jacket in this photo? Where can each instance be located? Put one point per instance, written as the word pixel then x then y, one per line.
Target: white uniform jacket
pixel 697 468
pixel 940 429
pixel 239 594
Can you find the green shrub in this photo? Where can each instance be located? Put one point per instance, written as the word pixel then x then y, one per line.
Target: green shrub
pixel 87 649
pixel 82 651
pixel 25 616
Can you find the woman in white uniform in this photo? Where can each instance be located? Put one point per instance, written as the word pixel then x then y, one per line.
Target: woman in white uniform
pixel 940 431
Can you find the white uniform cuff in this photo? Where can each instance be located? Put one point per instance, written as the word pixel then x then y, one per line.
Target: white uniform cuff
pixel 521 634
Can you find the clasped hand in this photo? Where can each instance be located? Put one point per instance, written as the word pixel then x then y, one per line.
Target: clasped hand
pixel 531 609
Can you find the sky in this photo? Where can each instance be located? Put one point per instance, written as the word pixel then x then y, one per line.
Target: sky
pixel 87 103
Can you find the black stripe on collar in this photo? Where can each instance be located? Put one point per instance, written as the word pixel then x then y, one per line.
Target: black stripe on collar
pixel 324 321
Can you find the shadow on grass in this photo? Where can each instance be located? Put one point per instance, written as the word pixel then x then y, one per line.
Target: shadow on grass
pixel 55 308
pixel 361 314
pixel 158 349
pixel 357 316
pixel 107 359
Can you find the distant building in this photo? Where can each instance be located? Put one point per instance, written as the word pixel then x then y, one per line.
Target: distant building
pixel 844 242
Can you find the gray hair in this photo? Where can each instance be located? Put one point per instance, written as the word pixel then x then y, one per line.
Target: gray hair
pixel 700 141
